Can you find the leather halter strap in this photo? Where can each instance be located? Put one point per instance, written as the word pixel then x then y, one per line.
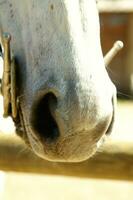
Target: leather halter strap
pixel 8 83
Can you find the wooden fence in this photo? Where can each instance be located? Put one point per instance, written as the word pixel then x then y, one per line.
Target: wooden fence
pixel 116 17
pixel 115 161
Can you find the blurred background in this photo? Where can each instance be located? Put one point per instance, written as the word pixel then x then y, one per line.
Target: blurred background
pixel 116 19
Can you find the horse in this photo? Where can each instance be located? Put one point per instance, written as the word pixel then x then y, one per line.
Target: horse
pixel 60 96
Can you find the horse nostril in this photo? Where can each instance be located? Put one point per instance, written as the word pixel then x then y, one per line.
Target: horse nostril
pixel 42 120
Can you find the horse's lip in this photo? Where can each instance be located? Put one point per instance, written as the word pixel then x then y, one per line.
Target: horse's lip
pixel 111 125
pixel 109 130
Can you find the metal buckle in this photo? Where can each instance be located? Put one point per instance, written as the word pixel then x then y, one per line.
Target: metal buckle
pixel 8 83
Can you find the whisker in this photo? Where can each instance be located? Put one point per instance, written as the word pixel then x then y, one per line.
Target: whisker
pixel 21 96
pixel 24 150
pixel 124 95
pixel 28 125
pixel 119 93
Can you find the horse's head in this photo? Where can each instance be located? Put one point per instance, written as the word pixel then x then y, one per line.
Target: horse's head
pixel 65 97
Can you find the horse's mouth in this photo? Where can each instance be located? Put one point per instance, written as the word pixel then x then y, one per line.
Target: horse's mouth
pixel 55 145
pixel 111 125
pixel 109 130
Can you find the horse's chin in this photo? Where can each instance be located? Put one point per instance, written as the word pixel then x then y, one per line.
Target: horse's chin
pixel 73 147
pixel 69 149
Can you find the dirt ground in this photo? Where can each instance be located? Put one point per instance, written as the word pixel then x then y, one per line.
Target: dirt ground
pixel 32 187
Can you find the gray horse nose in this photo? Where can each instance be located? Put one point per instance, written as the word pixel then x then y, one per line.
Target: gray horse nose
pixel 48 127
pixel 42 120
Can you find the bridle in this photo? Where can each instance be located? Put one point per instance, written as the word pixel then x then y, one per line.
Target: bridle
pixel 8 82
